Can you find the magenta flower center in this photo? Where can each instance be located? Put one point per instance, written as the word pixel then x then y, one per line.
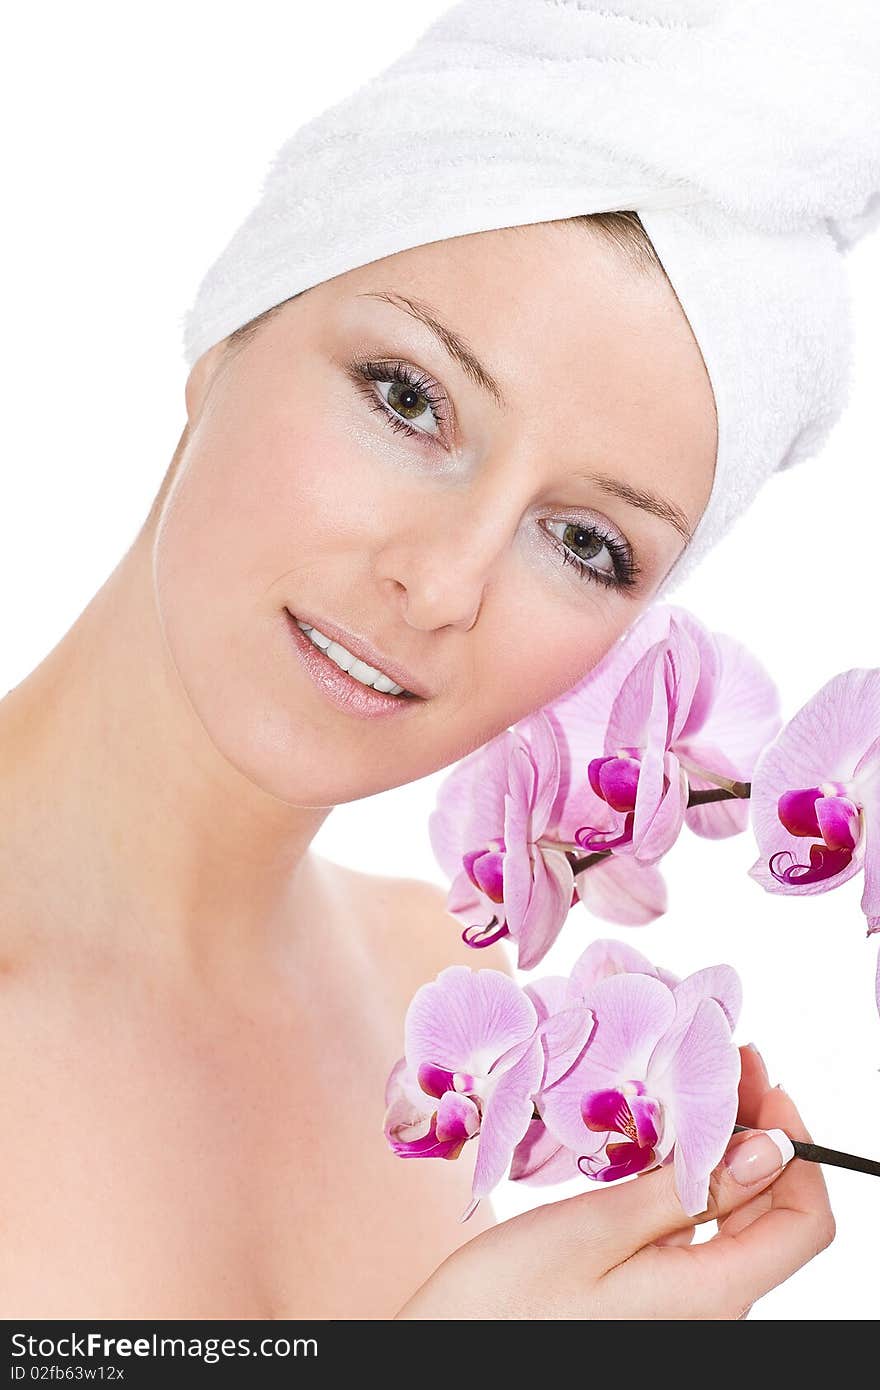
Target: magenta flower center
pixel 827 815
pixel 485 869
pixel 456 1119
pixel 626 1110
pixel 614 778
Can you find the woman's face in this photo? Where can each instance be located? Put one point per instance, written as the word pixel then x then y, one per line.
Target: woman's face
pixel 441 515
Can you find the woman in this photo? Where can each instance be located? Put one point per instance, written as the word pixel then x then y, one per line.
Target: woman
pixel 199 1013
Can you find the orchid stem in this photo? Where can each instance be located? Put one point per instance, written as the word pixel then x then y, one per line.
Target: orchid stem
pixel 739 789
pixel 700 798
pixel 815 1153
pixel 729 792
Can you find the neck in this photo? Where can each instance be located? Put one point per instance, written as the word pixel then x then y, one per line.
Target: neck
pixel 124 827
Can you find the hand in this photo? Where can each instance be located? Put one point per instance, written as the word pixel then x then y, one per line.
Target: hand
pixel 625 1252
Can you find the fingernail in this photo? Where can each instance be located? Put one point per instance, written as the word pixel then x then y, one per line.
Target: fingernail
pixel 752 1048
pixel 759 1156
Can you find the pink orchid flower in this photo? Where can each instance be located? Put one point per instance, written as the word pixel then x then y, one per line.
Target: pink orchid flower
pixel 491 813
pixel 819 782
pixel 671 708
pixel 656 1082
pixel 540 1158
pixel 472 1063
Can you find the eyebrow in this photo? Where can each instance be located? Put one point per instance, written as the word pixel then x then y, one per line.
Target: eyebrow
pixel 641 497
pixel 450 341
pixel 463 354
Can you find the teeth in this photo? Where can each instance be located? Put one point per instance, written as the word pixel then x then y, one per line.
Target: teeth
pixel 367 675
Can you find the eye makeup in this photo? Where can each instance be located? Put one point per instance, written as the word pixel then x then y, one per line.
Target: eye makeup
pixel 413 386
pixel 413 390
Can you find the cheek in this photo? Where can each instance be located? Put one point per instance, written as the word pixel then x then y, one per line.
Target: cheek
pixel 540 651
pixel 248 516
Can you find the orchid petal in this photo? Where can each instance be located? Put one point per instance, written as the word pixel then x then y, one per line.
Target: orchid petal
pixel 540 1159
pixel 507 1113
pixel 565 1024
pixel 718 982
pixel 825 864
pixel 634 1115
pixel 632 1012
pixel 433 1080
pixel 796 810
pixel 537 733
pixel 517 837
pixel 469 810
pixel 485 869
pixel 867 773
pixel 465 1019
pixel 618 780
pixel 645 1111
pixel 563 1038
pixel 823 742
pixel 548 907
pixel 662 826
pixel 838 819
pixel 617 1161
pixel 579 718
pixel 690 672
pixel 712 820
pixel 695 1077
pixel 606 957
pixel 639 716
pixel 458 1118
pixel 623 890
pixel 841 864
pixel 744 714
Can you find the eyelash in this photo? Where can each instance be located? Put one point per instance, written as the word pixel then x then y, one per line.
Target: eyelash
pixel 404 375
pixel 626 568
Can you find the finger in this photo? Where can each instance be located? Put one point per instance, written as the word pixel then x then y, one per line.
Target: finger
pixel 634 1214
pixel 744 1216
pixel 725 1275
pixel 677 1237
pixel 753 1084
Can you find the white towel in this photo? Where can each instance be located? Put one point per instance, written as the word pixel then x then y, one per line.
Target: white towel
pixel 745 133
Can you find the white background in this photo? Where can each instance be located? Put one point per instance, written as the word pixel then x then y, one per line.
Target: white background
pixel 134 142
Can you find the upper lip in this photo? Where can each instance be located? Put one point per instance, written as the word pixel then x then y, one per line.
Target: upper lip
pixel 365 651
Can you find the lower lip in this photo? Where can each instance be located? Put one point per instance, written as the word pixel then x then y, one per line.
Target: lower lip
pixel 341 688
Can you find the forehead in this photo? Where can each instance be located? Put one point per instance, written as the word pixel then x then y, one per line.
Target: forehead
pixel 594 355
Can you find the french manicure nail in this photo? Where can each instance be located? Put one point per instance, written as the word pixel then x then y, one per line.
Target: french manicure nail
pixel 759 1156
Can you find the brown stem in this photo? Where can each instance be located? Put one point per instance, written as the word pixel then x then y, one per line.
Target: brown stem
pixel 740 792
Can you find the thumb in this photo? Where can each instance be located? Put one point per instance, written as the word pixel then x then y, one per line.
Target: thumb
pixel 636 1213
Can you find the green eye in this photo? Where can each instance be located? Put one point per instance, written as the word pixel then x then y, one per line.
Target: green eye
pixel 590 542
pixel 579 538
pixel 407 401
pixel 410 396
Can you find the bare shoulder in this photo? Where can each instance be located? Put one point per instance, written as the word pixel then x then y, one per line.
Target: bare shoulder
pixel 407 918
pixel 424 918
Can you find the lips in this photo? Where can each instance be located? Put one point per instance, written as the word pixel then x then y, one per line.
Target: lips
pixel 366 652
pixel 323 648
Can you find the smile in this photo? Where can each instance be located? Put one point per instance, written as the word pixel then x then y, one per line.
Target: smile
pixel 357 669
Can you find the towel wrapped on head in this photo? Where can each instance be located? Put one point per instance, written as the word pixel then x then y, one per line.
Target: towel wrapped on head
pixel 745 134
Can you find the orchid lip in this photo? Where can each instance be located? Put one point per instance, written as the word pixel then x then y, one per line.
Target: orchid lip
pixel 478 936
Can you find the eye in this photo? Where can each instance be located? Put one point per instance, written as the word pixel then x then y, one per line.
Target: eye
pixel 412 402
pixel 615 565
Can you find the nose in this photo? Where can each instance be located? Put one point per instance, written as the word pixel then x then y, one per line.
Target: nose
pixel 440 564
